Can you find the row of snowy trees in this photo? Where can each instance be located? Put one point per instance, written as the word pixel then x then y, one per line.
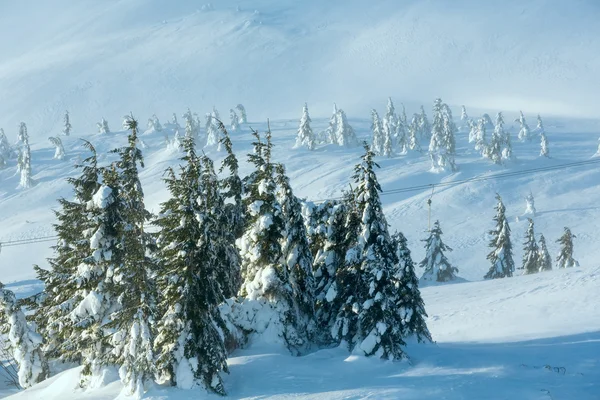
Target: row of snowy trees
pixel 231 257
pixel 536 257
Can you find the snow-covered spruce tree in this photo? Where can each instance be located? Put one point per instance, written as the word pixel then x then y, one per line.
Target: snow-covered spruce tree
pixel 524 131
pixel 530 204
pixel 212 129
pixel 377 132
pixel 329 135
pixel 6 151
pixel 24 165
pixel 59 152
pixel 72 268
pixel 188 344
pixel 305 136
pixel 175 123
pixel 481 137
pixel 22 136
pixel 24 341
pixel 296 255
pixel 493 150
pixel 472 131
pixel 103 126
pixel 411 305
pixel 544 151
pixel 436 264
pixel 436 142
pixel 565 256
pixel 370 318
pixel 242 111
pixel 507 152
pixel 500 257
pixel 67 125
pixel 390 120
pixel 464 118
pixel 191 129
pixel 531 259
pixel 132 338
pixel 154 124
pixel 344 133
pixel 424 126
pixel 231 188
pixel 545 260
pixel 487 120
pixel 446 159
pixel 400 137
pixel 413 130
pixel 235 120
pixel 265 276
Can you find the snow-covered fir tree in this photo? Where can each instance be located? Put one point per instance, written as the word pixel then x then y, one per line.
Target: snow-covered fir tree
pixel 487 120
pixel 472 130
pixel 377 132
pixel 413 131
pixel 531 259
pixel 371 317
pixel 6 151
pixel 266 277
pixel 296 255
pixel 524 131
pixel 24 164
pixel 234 120
pixel 390 120
pixel 25 343
pixel 103 126
pixel 175 123
pixel 401 133
pixel 329 135
pixel 493 150
pixel 22 136
pixel 305 136
pixel 447 158
pixel 544 151
pixel 132 285
pixel 464 117
pixel 545 260
pixel 189 346
pixel 66 125
pixel 59 152
pixel 436 264
pixel 242 111
pixel 344 133
pixel 437 139
pixel 154 124
pixel 500 257
pixel 565 256
pixel 212 129
pixel 481 137
pixel 530 205
pixel 231 189
pixel 191 128
pixel 507 152
pixel 411 305
pixel 424 126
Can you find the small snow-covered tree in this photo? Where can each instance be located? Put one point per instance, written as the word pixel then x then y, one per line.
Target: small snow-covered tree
pixel 488 121
pixel 344 133
pixel 401 133
pixel 464 118
pixel 103 126
pixel 500 257
pixel 242 111
pixel 480 136
pixel 473 130
pixel 377 132
pixel 436 264
pixel 413 130
pixel 565 256
pixel 530 204
pixel 6 151
pixel 191 128
pixel 544 151
pixel 175 123
pixel 390 120
pixel 531 259
pixel 235 120
pixel 24 341
pixel 154 124
pixel 507 152
pixel 232 188
pixel 24 165
pixel 66 125
pixel 494 149
pixel 212 129
pixel 59 153
pixel 22 136
pixel 437 134
pixel 545 260
pixel 329 135
pixel 524 131
pixel 448 154
pixel 424 126
pixel 305 136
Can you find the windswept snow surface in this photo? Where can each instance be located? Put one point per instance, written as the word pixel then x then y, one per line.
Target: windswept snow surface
pixel 494 339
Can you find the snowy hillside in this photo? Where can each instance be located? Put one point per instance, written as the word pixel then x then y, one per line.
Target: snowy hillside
pixel 527 337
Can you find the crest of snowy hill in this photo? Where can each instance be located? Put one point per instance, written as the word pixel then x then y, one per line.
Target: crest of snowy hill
pixel 101 59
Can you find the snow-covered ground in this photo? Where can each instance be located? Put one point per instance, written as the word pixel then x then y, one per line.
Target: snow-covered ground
pixel 494 339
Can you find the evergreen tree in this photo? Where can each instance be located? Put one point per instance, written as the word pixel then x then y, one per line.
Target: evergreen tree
pixel 175 123
pixel 330 134
pixel 544 151
pixel 232 188
pixel 437 267
pixel 371 317
pixel 103 126
pixel 507 153
pixel 480 137
pixel 377 131
pixel 464 118
pixel 344 133
pixel 188 341
pixel 565 256
pixel 191 128
pixel 133 337
pixel 212 129
pixel 242 111
pixel 531 259
pixel 524 132
pixel 6 151
pixel 493 151
pixel 500 257
pixel 487 120
pixel 411 305
pixel 413 130
pixel 296 255
pixel 23 136
pixel 473 131
pixel 235 121
pixel 24 341
pixel 59 153
pixel 530 204
pixel 545 261
pixel 154 124
pixel 305 136
pixel 24 164
pixel 390 120
pixel 446 158
pixel 424 126
pixel 66 125
pixel 265 277
pixel 436 142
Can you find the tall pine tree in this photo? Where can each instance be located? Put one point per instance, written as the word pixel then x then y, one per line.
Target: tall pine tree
pixel 531 259
pixel 565 256
pixel 436 264
pixel 500 257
